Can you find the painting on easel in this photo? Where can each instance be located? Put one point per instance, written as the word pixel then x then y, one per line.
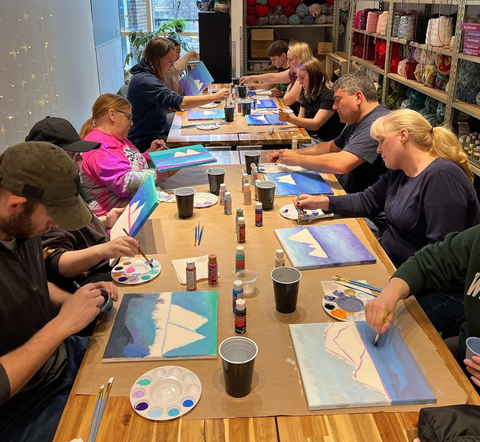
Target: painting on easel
pixel 317 247
pixel 159 326
pixel 341 368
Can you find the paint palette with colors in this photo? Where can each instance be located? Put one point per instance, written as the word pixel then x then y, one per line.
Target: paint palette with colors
pixel 208 106
pixel 343 303
pixel 205 199
pixel 290 212
pixel 208 126
pixel 165 393
pixel 135 271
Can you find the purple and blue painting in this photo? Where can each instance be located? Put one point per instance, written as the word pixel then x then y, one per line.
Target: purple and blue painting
pixel 311 183
pixel 171 325
pixel 263 120
pixel 317 247
pixel 216 114
pixel 341 368
pixel 266 104
pixel 196 80
pixel 182 157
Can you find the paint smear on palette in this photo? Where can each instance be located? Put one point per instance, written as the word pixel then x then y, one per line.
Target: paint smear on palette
pixel 205 199
pixel 165 393
pixel 344 304
pixel 290 212
pixel 135 271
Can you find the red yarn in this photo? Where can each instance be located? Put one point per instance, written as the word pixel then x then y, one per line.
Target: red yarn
pixel 251 20
pixel 330 2
pixel 251 2
pixel 251 10
pixel 289 10
pixel 410 69
pixel 295 3
pixel 284 3
pixel 272 3
pixel 262 10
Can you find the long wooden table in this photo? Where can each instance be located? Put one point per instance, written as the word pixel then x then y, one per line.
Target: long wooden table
pixel 121 423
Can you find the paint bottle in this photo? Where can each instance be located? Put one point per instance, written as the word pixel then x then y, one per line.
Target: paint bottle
pixel 254 173
pixel 240 317
pixel 227 203
pixel 241 230
pixel 191 275
pixel 258 214
pixel 279 258
pixel 239 258
pixel 247 195
pixel 294 142
pixel 256 190
pixel 237 292
pixel 245 179
pixel 223 189
pixel 238 214
pixel 212 270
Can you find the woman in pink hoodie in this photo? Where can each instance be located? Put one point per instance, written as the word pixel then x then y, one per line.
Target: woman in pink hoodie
pixel 111 175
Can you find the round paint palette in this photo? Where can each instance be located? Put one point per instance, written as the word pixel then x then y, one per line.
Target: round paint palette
pixel 204 199
pixel 208 106
pixel 135 271
pixel 290 212
pixel 165 197
pixel 347 305
pixel 165 393
pixel 210 126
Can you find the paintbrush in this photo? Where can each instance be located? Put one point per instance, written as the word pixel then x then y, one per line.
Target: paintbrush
pixel 354 288
pixel 196 233
pixel 383 322
pixel 95 412
pixel 102 409
pixel 299 220
pixel 354 282
pixel 189 126
pixel 201 235
pixel 140 250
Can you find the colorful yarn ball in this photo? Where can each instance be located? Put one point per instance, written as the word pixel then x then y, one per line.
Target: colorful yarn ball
pixel 251 10
pixel 282 19
pixel 315 10
pixel 251 20
pixel 308 20
pixel 272 3
pixel 301 10
pixel 284 3
pixel 262 10
pixel 289 10
pixel 294 20
pixel 262 21
pixel 321 20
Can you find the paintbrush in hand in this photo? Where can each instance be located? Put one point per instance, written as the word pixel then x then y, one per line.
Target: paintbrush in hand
pixel 299 220
pixel 383 322
pixel 141 251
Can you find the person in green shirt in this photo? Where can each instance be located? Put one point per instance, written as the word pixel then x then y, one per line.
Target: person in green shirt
pixel 437 266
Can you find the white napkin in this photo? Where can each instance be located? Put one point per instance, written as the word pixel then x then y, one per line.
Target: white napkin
pixel 201 263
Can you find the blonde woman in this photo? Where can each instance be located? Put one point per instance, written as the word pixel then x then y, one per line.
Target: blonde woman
pixel 426 194
pixel 297 51
pixel 111 175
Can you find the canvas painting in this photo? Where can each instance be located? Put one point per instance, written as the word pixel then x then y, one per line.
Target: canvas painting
pixel 138 210
pixel 159 326
pixel 215 114
pixel 196 80
pixel 311 183
pixel 266 104
pixel 317 247
pixel 188 156
pixel 263 120
pixel 341 368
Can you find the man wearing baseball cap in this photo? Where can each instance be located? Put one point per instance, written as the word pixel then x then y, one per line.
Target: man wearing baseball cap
pixel 39 189
pixel 84 254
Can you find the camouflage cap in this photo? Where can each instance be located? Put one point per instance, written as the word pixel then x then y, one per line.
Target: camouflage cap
pixel 45 173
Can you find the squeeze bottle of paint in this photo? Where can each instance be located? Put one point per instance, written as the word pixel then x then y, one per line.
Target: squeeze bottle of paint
pixel 256 190
pixel 258 214
pixel 238 214
pixel 223 189
pixel 237 292
pixel 254 173
pixel 247 195
pixel 245 179
pixel 294 142
pixel 240 317
pixel 241 230
pixel 239 258
pixel 227 204
pixel 212 270
pixel 191 275
pixel 279 258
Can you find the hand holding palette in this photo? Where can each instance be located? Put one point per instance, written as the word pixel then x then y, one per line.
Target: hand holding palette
pixel 165 393
pixel 135 271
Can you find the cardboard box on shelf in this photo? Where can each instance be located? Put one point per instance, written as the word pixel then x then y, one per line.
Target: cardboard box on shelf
pixel 260 40
pixel 324 47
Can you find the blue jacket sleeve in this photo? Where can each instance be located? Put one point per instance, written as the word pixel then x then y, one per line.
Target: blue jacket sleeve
pixel 155 92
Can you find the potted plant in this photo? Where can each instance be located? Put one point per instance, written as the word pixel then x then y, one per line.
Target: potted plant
pixel 179 24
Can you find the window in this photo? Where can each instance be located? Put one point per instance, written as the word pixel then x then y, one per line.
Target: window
pixel 150 15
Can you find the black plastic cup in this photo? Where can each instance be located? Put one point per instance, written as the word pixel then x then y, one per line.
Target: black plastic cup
pixel 242 91
pixel 266 193
pixel 107 303
pixel 286 281
pixel 235 81
pixel 185 199
pixel 238 358
pixel 251 156
pixel 216 176
pixel 247 107
pixel 229 113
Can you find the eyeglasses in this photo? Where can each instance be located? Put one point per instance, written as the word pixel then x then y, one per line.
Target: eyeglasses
pixel 127 114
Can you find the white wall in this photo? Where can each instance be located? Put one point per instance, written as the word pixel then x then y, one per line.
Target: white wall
pixel 47 64
pixel 236 13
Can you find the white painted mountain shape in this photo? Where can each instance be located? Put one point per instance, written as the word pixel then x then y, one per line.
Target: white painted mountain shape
pixel 184 154
pixel 199 84
pixel 287 179
pixel 304 236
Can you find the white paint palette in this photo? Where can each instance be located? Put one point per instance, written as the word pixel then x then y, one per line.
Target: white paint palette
pixel 165 393
pixel 343 303
pixel 208 106
pixel 135 271
pixel 290 212
pixel 205 199
pixel 208 126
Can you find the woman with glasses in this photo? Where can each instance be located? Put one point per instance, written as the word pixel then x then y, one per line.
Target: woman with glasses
pixel 316 113
pixel 151 99
pixel 111 175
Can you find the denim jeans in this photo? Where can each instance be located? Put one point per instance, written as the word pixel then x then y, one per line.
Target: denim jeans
pixel 38 419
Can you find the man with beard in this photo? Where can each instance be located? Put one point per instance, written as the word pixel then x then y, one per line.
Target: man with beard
pixel 39 359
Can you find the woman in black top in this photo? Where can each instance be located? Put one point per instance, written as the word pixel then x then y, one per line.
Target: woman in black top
pixel 316 102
